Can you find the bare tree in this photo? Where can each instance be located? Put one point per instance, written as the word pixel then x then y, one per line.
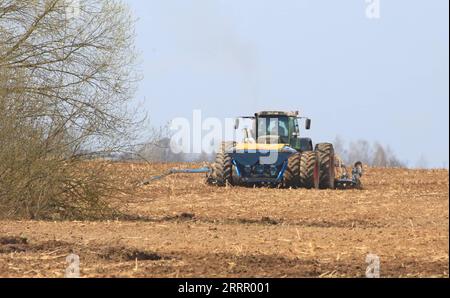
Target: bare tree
pixel 79 71
pixel 157 148
pixel 393 160
pixel 340 148
pixel 360 151
pixel 64 86
pixel 374 154
pixel 380 158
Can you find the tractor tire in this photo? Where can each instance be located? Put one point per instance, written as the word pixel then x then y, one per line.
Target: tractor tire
pixel 309 170
pixel 291 176
pixel 222 168
pixel 326 159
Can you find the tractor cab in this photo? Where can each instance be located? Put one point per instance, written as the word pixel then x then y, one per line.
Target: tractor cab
pixel 272 127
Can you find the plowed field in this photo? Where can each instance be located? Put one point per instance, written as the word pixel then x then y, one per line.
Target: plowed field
pixel 181 227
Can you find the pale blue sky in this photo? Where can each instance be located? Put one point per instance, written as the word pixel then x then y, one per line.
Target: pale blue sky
pixel 382 80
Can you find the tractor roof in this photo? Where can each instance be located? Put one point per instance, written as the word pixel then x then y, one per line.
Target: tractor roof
pixel 277 113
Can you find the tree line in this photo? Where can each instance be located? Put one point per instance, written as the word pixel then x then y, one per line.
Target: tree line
pixel 372 154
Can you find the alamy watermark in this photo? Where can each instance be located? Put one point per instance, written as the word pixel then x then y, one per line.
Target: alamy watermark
pixel 373 268
pixel 373 11
pixel 72 8
pixel 200 135
pixel 73 266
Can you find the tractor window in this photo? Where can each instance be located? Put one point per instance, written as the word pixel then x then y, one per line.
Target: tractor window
pixel 293 125
pixel 274 127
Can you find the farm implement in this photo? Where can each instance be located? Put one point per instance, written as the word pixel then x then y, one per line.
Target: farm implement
pixel 273 153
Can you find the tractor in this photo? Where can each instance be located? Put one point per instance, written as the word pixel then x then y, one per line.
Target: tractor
pixel 274 153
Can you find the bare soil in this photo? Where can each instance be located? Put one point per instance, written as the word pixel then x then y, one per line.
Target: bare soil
pixel 181 227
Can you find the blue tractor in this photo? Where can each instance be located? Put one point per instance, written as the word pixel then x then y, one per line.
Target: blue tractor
pixel 274 153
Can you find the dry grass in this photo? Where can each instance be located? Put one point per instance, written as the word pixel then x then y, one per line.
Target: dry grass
pixel 182 227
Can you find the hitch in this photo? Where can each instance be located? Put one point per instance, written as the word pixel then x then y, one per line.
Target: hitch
pixel 177 171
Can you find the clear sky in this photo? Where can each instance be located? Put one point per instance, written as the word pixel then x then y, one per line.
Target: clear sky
pixel 380 79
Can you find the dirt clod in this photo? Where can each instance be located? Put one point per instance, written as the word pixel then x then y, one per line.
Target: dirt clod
pixel 126 254
pixel 12 240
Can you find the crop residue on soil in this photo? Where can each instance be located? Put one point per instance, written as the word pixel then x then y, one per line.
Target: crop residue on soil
pixel 181 227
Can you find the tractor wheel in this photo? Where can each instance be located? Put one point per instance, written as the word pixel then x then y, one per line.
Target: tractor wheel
pixel 309 170
pixel 291 176
pixel 222 168
pixel 326 156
